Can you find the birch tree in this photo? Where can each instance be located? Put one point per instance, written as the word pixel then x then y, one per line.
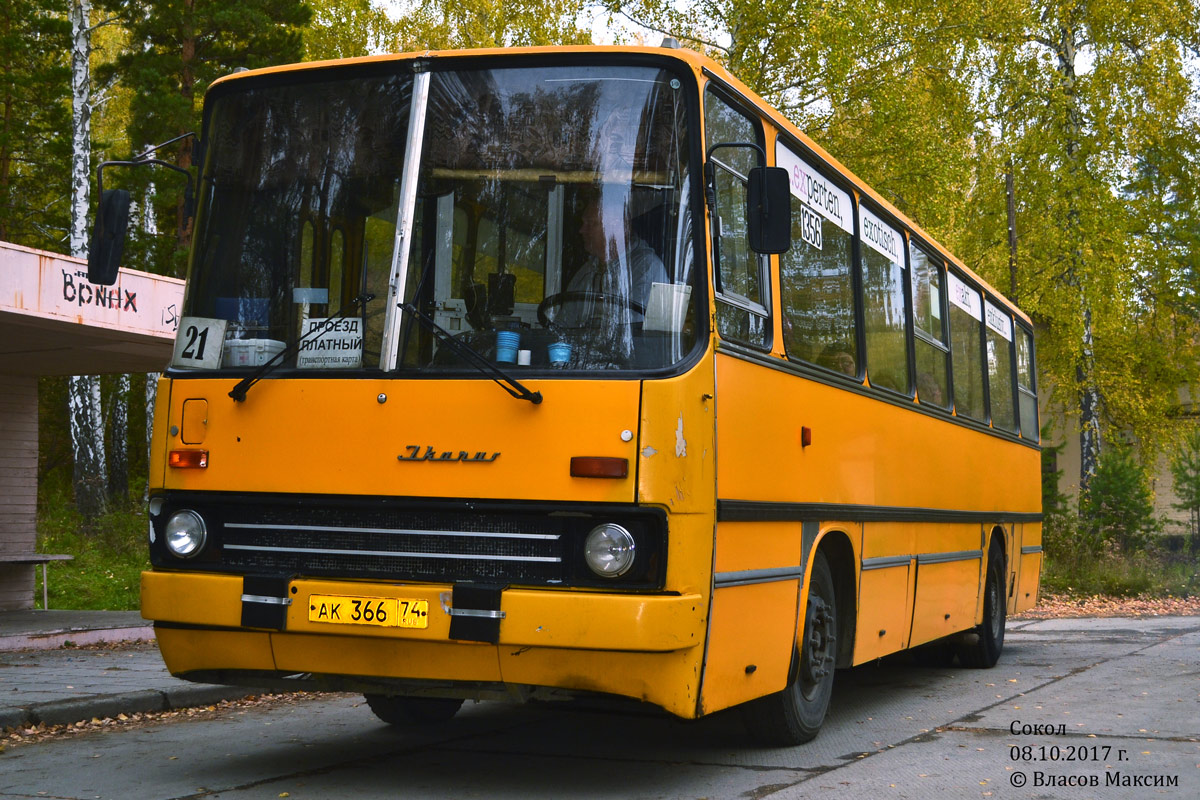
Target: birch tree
pixel 1098 110
pixel 1093 101
pixel 84 409
pixel 118 467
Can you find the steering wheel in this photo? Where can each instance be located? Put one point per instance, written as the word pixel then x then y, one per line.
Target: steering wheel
pixel 555 300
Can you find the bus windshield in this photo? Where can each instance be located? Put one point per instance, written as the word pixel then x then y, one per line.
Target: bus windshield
pixel 550 227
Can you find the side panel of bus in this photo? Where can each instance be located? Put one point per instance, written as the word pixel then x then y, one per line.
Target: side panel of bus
pixel 917 578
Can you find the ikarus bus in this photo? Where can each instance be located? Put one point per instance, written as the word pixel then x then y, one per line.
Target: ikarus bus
pixel 535 373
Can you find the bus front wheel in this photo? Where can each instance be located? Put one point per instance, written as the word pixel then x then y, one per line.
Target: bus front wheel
pixel 794 716
pixel 395 710
pixel 989 636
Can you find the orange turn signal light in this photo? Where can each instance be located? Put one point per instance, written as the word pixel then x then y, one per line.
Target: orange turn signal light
pixel 188 459
pixel 599 467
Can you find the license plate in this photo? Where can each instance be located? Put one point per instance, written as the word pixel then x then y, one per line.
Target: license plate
pixel 386 612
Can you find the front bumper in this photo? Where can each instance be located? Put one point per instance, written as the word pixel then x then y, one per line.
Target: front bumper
pixel 532 618
pixel 647 647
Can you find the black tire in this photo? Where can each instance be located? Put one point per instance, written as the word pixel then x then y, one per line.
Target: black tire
pixel 986 651
pixel 405 711
pixel 794 716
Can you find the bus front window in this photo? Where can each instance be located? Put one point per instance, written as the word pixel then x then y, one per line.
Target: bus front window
pixel 297 217
pixel 553 217
pixel 552 221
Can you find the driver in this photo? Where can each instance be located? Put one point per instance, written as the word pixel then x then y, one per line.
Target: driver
pixel 620 263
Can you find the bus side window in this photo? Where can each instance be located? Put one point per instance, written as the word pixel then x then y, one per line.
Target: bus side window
pixel 816 275
pixel 885 317
pixel 966 350
pixel 929 329
pixel 1000 367
pixel 1026 389
pixel 742 305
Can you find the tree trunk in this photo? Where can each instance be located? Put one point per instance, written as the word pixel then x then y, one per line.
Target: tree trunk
pixel 151 397
pixel 1089 405
pixel 118 467
pixel 87 443
pixel 1011 198
pixel 1085 367
pixel 81 124
pixel 87 437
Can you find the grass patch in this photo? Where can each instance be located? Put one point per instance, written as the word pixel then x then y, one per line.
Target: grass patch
pixel 1146 574
pixel 1078 565
pixel 110 555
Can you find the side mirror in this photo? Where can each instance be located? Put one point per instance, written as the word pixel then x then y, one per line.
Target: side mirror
pixel 108 237
pixel 769 220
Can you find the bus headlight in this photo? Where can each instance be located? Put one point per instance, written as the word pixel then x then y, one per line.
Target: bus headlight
pixel 609 550
pixel 185 534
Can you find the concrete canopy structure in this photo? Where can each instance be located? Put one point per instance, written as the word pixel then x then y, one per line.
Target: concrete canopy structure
pixel 54 322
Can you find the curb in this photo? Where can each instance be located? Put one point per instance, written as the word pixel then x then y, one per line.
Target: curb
pixel 49 640
pixel 67 712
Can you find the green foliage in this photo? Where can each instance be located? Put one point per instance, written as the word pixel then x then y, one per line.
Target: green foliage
pixel 175 50
pixel 1185 469
pixel 1118 509
pixel 347 29
pixel 449 24
pixel 928 103
pixel 110 554
pixel 1079 563
pixel 1053 500
pixel 35 122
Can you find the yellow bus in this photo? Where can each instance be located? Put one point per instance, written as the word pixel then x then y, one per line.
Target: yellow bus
pixel 530 373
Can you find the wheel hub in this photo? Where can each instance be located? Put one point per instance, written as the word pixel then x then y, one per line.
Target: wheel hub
pixel 816 660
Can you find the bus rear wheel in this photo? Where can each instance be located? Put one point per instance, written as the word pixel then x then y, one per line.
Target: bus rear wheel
pixel 401 711
pixel 985 651
pixel 794 716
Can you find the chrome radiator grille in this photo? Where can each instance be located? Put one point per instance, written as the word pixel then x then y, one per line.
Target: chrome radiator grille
pixel 393 552
pixel 425 545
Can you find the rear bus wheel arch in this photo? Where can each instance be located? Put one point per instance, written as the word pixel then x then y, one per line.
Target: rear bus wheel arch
pixel 987 639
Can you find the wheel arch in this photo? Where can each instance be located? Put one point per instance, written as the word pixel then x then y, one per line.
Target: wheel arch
pixel 999 537
pixel 839 553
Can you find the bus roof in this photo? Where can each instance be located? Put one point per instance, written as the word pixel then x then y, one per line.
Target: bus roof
pixel 699 63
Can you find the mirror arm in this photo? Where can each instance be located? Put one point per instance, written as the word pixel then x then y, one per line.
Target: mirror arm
pixel 144 159
pixel 762 154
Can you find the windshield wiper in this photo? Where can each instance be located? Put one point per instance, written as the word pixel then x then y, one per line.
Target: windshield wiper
pixel 238 392
pixel 502 378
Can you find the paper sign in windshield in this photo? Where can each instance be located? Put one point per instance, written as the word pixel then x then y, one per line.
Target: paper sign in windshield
pixel 331 343
pixel 198 343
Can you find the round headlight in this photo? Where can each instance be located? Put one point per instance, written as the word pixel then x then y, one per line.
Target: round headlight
pixel 609 550
pixel 185 533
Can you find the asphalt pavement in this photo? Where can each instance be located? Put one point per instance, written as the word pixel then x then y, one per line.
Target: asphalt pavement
pixel 57 668
pixel 1076 709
